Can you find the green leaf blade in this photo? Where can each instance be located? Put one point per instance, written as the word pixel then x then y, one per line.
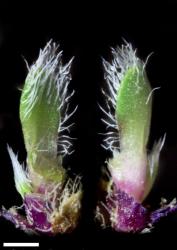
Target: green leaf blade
pixel 133 109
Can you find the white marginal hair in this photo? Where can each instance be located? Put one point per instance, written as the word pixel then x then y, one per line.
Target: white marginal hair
pixel 20 173
pixel 124 57
pixel 46 74
pixel 153 159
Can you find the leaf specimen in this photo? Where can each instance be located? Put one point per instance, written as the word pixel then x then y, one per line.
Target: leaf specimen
pixel 132 169
pixel 51 199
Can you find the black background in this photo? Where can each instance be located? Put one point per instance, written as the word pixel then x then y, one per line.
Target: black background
pixel 87 31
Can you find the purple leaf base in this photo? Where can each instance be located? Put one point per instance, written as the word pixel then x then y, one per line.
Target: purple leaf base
pixel 37 216
pixel 127 215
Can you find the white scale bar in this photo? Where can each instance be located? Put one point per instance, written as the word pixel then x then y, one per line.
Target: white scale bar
pixel 21 244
